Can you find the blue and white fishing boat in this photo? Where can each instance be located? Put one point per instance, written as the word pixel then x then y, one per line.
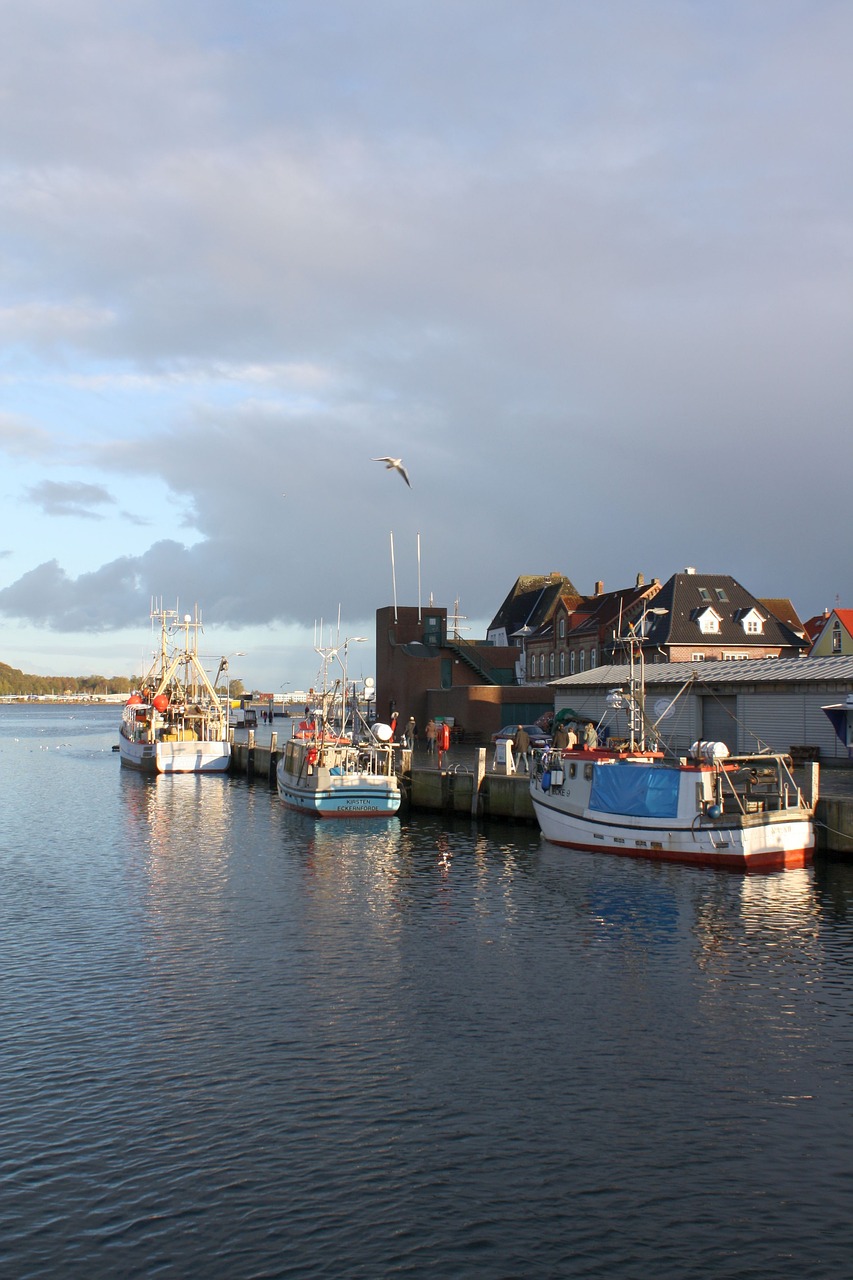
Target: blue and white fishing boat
pixel 334 779
pixel 336 766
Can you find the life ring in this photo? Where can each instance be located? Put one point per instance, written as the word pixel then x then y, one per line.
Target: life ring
pixel 312 756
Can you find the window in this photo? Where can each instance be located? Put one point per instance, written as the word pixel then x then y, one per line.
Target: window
pixel 591 659
pixel 697 657
pixel 533 666
pixel 581 657
pixel 551 664
pixel 721 595
pixel 562 628
pixel 542 666
pixel 572 663
pixel 709 622
pixel 836 636
pixel 735 657
pixel 752 623
pixel 562 662
pixel 704 594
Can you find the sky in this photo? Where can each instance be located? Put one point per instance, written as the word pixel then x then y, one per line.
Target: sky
pixel 585 265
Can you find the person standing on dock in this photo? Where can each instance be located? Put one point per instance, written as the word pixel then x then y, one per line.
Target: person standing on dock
pixel 430 736
pixel 521 748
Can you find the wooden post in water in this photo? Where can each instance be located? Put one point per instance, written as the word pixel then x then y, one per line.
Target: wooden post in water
pixel 479 775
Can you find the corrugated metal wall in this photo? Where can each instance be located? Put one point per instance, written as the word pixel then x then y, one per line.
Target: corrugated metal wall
pixel 776 720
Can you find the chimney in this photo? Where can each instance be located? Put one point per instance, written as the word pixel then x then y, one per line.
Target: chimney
pixel 599 588
pixel 689 569
pixel 641 582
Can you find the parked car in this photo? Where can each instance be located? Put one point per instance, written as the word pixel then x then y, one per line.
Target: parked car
pixel 538 736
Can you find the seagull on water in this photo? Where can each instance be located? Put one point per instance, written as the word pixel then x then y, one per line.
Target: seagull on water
pixel 395 464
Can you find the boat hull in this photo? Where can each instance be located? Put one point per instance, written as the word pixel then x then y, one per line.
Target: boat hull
pixel 777 846
pixel 745 814
pixel 349 797
pixel 175 757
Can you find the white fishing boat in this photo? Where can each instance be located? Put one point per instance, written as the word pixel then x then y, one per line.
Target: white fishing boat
pixel 335 765
pixel 744 812
pixel 176 722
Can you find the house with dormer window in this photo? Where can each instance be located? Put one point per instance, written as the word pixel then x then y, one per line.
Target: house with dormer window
pixel 708 620
pixel 701 617
pixel 580 632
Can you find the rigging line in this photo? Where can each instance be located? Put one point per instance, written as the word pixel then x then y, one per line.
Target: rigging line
pixel 824 826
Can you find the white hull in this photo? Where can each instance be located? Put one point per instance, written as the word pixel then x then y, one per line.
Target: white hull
pixel 751 832
pixel 175 757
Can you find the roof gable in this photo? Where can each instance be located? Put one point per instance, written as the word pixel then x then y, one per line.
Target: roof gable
pixel 837 624
pixel 689 596
pixel 531 602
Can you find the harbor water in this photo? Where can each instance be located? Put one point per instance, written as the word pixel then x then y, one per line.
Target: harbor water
pixel 240 1042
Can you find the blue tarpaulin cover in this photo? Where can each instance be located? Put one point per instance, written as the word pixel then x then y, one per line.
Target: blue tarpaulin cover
pixel 640 791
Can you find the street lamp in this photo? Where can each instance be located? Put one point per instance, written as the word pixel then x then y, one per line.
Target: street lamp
pixel 347 642
pixel 523 633
pixel 222 670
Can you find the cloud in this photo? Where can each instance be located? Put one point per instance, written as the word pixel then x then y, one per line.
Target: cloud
pixel 586 268
pixel 75 498
pixel 22 439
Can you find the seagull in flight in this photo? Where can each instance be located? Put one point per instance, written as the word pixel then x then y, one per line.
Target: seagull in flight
pixel 395 464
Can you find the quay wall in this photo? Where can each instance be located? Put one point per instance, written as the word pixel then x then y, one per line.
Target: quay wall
pixel 472 789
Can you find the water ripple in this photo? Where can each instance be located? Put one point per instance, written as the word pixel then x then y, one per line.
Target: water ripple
pixel 239 1043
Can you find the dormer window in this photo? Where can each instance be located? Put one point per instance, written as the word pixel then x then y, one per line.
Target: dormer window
pixel 709 622
pixel 836 636
pixel 752 623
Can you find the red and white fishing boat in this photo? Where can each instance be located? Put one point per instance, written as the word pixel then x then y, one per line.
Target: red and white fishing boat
pixel 708 807
pixel 177 722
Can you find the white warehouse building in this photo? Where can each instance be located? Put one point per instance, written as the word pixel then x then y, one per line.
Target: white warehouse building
pixel 772 703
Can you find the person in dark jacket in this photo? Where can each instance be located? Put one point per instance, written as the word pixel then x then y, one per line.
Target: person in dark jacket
pixel 521 748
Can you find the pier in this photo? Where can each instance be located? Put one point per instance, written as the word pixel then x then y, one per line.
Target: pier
pixel 468 784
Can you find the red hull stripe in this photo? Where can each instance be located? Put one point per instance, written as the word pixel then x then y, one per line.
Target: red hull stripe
pixel 771 860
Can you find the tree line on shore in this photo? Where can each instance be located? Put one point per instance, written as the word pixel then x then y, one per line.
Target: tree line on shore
pixel 14 682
